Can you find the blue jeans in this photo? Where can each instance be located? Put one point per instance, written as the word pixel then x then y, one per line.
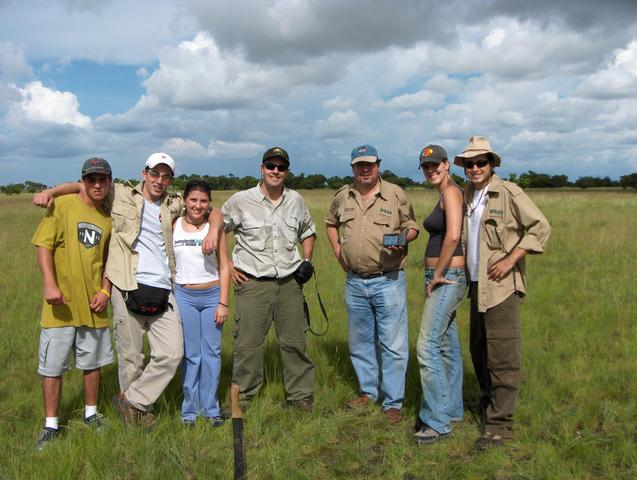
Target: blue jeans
pixel 201 365
pixel 377 309
pixel 439 353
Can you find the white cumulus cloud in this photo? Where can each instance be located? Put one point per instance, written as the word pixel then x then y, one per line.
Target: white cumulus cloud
pixel 42 104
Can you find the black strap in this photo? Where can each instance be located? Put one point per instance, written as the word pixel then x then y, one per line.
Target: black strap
pixel 306 309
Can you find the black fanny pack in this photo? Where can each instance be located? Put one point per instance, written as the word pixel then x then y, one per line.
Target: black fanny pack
pixel 147 300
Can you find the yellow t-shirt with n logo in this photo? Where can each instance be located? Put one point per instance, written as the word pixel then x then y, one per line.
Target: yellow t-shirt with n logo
pixel 78 236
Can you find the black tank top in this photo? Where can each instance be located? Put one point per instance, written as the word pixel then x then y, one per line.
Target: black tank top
pixel 436 226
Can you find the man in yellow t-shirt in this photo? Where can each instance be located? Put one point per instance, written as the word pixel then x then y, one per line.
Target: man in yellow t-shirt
pixel 71 243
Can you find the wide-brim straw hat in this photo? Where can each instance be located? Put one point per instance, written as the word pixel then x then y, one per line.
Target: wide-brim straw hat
pixel 477 146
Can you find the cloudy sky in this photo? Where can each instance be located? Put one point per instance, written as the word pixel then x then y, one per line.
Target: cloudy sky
pixel 553 84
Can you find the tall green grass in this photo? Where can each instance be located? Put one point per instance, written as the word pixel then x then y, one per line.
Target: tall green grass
pixel 577 413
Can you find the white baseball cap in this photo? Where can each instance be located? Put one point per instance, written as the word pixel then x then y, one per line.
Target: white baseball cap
pixel 160 157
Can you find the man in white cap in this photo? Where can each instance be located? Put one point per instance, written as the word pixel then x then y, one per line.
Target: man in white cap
pixel 141 267
pixel 502 226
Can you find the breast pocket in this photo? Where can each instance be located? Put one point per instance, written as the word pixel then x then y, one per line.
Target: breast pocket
pixel 347 227
pixel 290 232
pixel 123 215
pixel 494 231
pixel 254 235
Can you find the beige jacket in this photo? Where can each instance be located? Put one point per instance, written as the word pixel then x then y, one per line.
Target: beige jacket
pixel 126 212
pixel 510 220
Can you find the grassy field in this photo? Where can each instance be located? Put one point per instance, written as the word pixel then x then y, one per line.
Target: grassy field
pixel 577 415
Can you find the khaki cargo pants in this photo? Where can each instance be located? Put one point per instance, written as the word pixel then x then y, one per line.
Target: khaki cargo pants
pixel 495 351
pixel 259 303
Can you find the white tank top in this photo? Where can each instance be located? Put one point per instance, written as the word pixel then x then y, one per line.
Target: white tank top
pixel 192 265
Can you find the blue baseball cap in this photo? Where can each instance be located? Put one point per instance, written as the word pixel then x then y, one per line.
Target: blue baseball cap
pixel 364 153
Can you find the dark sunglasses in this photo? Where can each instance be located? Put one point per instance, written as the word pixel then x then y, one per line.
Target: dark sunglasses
pixel 480 163
pixel 278 166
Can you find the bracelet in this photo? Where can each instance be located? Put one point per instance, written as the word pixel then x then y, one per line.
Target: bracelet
pixel 105 293
pixel 222 304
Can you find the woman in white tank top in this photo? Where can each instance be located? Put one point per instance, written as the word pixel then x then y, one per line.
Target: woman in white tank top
pixel 201 290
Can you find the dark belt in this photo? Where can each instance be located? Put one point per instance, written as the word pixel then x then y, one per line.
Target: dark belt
pixel 367 276
pixel 252 277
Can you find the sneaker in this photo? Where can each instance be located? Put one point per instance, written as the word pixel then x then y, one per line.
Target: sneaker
pixel 359 403
pixel 428 435
pixel 217 422
pixel 305 405
pixel 46 435
pixel 393 415
pixel 96 422
pixel 486 441
pixel 188 423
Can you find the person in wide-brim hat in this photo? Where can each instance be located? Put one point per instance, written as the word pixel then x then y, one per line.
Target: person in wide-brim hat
pixel 477 146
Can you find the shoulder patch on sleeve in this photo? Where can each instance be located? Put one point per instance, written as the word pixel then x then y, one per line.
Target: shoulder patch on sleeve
pixel 344 187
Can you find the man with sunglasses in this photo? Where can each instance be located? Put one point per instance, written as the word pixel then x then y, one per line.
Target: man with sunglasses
pixel 502 225
pixel 268 221
pixel 376 222
pixel 141 259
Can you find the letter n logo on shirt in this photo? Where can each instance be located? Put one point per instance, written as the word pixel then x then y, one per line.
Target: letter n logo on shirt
pixel 88 234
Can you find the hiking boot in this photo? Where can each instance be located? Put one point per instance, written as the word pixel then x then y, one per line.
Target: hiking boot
pixel 359 403
pixel 126 411
pixel 486 441
pixel 393 415
pixel 144 420
pixel 428 435
pixel 96 422
pixel 46 435
pixel 305 405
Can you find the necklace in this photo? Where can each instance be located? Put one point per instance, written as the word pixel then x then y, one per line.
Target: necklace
pixel 471 206
pixel 196 225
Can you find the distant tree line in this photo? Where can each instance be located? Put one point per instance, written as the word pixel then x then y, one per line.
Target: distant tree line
pixel 301 181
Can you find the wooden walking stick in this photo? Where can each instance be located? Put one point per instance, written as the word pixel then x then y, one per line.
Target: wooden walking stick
pixel 240 466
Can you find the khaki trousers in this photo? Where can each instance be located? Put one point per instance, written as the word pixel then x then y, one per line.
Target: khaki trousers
pixel 495 351
pixel 259 303
pixel 143 386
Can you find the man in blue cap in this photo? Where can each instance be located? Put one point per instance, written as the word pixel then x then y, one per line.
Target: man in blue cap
pixel 376 222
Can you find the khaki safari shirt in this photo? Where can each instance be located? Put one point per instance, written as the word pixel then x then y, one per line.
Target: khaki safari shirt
pixel 361 231
pixel 510 220
pixel 126 212
pixel 266 234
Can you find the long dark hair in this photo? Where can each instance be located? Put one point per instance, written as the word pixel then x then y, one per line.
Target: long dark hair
pixel 200 185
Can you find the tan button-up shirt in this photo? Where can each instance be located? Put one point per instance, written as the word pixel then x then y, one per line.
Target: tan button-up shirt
pixel 266 234
pixel 510 220
pixel 361 231
pixel 126 212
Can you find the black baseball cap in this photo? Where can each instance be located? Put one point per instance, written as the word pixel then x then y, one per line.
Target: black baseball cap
pixel 276 152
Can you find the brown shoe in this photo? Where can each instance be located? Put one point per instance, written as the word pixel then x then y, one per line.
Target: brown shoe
pixel 124 408
pixel 359 403
pixel 304 405
pixel 393 415
pixel 486 441
pixel 145 420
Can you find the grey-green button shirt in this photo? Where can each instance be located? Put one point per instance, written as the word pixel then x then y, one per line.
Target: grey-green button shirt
pixel 265 234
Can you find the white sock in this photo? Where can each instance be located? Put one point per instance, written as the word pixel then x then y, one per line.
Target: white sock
pixel 51 422
pixel 89 410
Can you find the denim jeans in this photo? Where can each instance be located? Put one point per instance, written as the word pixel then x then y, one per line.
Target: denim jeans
pixel 377 309
pixel 201 365
pixel 439 353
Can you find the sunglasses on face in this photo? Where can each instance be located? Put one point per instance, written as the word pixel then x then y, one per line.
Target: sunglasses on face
pixel 278 166
pixel 164 177
pixel 480 164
